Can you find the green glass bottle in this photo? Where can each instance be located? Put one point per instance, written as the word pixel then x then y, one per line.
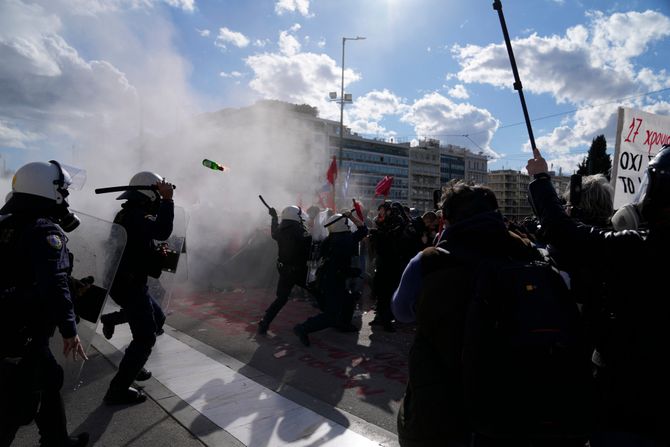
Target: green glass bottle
pixel 212 165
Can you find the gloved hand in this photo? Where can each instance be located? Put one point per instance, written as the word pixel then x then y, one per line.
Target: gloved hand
pixel 273 213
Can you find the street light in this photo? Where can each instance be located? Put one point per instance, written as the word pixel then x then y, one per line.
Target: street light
pixel 342 100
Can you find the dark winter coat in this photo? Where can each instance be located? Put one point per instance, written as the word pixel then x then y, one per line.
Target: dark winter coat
pixel 636 370
pixel 433 408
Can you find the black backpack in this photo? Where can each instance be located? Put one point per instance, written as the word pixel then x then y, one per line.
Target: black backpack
pixel 526 365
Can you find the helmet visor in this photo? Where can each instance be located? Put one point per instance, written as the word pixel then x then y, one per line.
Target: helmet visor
pixel 77 177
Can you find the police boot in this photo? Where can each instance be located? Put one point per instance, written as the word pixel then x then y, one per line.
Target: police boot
pixel 301 333
pixel 143 375
pixel 129 396
pixel 80 440
pixel 107 327
pixel 262 327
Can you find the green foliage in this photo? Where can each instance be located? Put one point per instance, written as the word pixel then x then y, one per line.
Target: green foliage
pixel 597 161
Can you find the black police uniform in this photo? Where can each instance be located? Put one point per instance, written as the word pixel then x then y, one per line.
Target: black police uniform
pixel 334 299
pixel 130 291
pixel 294 244
pixel 35 299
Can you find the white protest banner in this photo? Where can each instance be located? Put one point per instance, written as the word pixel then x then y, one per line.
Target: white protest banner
pixel 640 135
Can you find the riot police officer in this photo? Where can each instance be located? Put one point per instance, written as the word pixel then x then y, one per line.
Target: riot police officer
pixel 147 216
pixel 335 301
pixel 35 299
pixel 294 244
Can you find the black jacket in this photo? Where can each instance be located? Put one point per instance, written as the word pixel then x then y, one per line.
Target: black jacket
pixel 142 230
pixel 636 376
pixel 433 408
pixel 293 241
pixel 36 263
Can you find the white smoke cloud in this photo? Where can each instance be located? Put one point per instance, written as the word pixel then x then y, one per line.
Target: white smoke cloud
pixel 127 106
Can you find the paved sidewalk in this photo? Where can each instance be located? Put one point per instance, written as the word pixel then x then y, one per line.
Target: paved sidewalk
pixel 146 425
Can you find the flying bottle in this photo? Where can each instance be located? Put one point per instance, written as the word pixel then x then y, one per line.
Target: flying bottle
pixel 213 165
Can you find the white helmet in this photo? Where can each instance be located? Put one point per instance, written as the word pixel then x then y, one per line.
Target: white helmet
pixel 294 213
pixel 338 224
pixel 48 180
pixel 144 178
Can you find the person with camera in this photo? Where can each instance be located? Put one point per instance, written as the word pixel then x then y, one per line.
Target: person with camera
pixel 35 299
pixel 147 216
pixel 333 297
pixel 394 241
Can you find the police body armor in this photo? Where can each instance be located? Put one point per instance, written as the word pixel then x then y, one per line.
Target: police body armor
pixel 14 306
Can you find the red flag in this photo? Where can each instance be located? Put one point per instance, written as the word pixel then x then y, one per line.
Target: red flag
pixel 384 186
pixel 359 211
pixel 331 175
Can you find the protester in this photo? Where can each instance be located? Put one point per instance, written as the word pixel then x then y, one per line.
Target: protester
pixel 437 291
pixel 395 242
pixel 634 368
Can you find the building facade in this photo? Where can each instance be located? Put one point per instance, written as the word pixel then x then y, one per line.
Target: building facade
pixel 511 190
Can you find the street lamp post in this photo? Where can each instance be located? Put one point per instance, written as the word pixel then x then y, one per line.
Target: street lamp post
pixel 342 100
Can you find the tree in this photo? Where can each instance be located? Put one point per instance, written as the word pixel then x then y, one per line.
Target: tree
pixel 597 161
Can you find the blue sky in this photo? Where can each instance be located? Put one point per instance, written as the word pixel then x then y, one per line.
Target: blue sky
pixel 75 72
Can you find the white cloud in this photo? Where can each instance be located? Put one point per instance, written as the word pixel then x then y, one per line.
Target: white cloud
pixel 95 7
pixel 590 64
pixel 227 36
pixel 321 43
pixel 586 64
pixel 300 6
pixel 298 78
pixel 203 32
pixel 261 42
pixel 232 74
pixel 288 44
pixel 295 27
pixel 437 116
pixel 374 105
pixel 367 111
pixel 44 78
pixel 16 138
pixel 186 5
pixel 459 92
pixel 371 128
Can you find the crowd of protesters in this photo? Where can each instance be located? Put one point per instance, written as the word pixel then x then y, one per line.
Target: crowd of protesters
pixel 574 357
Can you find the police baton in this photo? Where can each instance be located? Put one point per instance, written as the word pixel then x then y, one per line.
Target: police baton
pixel 264 202
pixel 339 218
pixel 128 188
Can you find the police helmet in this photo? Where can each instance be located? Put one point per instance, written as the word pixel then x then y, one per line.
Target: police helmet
pixel 337 223
pixel 44 186
pixel 47 180
pixel 144 178
pixel 294 213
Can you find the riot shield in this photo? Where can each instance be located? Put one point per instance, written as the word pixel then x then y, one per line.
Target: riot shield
pixel 161 288
pixel 96 247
